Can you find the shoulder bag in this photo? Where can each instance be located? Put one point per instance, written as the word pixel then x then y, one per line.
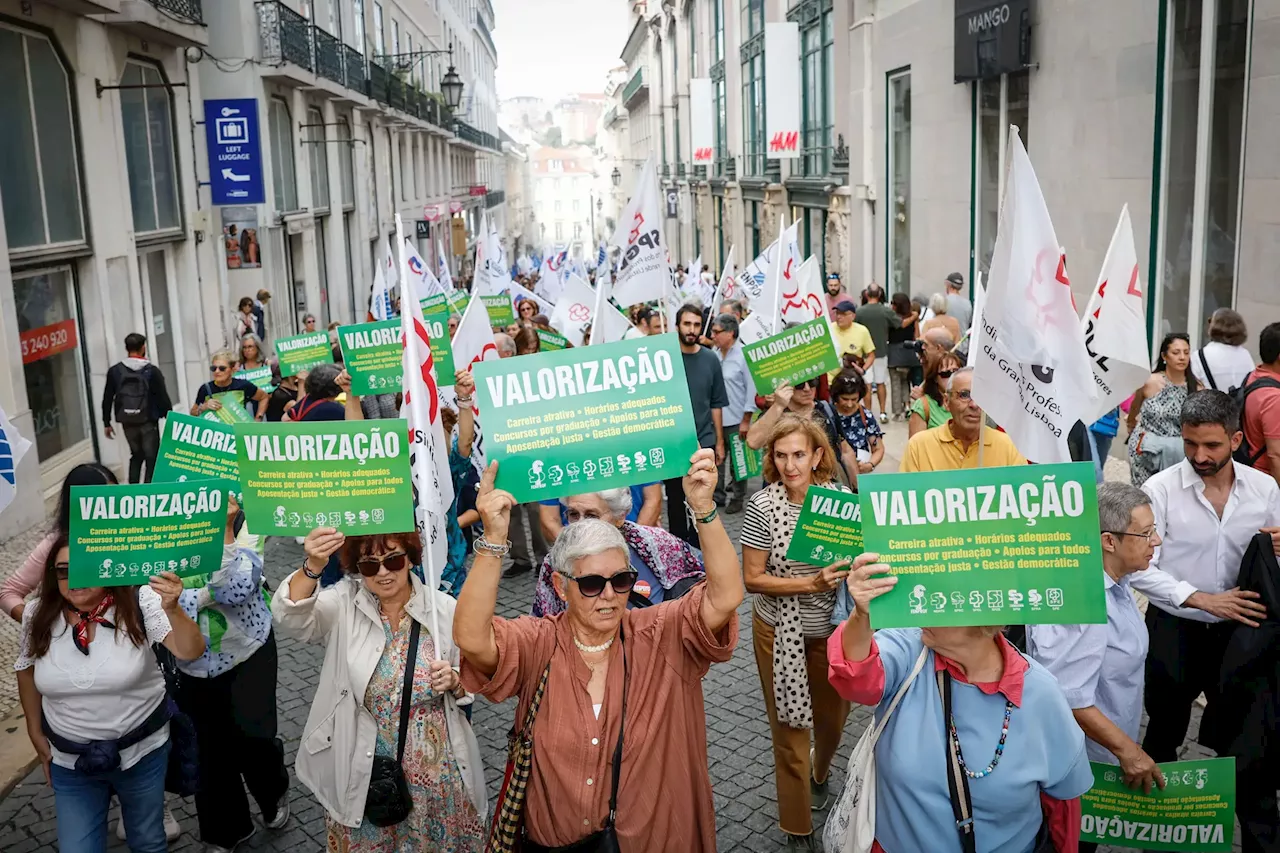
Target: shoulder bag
pixel 1208 374
pixel 851 826
pixel 958 784
pixel 182 774
pixel 389 800
pixel 507 830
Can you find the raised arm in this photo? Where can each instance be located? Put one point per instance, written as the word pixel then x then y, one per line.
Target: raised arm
pixel 473 617
pixel 724 573
pixel 758 434
pixel 465 386
pixel 352 410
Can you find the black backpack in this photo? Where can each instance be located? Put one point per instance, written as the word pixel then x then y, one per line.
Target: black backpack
pixel 133 396
pixel 1242 453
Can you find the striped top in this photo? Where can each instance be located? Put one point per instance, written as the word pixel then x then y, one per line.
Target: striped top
pixel 768 524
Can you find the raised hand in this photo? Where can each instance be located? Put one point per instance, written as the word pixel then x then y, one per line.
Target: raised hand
pixel 320 545
pixel 700 482
pixel 867 580
pixel 494 506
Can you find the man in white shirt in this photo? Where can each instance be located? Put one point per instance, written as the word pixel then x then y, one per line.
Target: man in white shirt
pixel 1207 508
pixel 736 417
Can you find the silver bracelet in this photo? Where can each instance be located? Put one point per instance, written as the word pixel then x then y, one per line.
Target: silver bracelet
pixel 484 547
pixel 464 400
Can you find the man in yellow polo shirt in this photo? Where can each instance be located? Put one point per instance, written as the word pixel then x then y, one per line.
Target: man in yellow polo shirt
pixel 954 445
pixel 851 338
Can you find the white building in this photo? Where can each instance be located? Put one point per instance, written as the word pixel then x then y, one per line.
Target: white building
pixel 108 222
pixel 566 185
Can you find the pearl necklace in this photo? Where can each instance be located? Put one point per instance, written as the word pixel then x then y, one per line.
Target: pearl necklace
pixel 591 650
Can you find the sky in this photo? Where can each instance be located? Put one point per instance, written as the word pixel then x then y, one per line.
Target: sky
pixel 550 48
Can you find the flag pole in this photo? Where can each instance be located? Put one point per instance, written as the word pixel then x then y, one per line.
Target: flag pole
pixel 776 271
pixel 429 568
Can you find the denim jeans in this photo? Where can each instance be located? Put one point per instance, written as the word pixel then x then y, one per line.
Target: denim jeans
pixel 82 800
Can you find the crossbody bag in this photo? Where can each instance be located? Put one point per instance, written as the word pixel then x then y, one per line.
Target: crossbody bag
pixel 389 800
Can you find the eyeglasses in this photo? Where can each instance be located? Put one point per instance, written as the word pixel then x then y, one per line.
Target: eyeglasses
pixel 62 571
pixel 592 585
pixel 396 561
pixel 716 331
pixel 946 374
pixel 1150 535
pixel 219 368
pixel 808 383
pixel 962 396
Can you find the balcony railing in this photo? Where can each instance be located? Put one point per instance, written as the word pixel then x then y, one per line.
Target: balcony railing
pixel 495 198
pixel 354 70
pixel 378 83
pixel 467 133
pixel 634 85
pixel 329 57
pixel 187 10
pixel 286 35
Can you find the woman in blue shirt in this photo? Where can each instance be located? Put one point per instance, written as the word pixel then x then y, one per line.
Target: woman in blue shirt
pixel 1020 747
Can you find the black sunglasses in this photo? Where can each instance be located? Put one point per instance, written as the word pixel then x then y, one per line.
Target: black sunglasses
pixel 946 374
pixel 62 571
pixel 808 383
pixel 396 561
pixel 592 585
pixel 218 368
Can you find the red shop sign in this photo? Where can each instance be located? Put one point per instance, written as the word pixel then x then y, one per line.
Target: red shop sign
pixel 479 189
pixel 455 207
pixel 48 341
pixel 431 213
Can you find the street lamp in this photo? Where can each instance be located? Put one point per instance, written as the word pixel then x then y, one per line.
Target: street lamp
pixel 616 176
pixel 451 88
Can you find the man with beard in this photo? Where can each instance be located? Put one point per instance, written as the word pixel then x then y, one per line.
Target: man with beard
pixel 706 391
pixel 1207 509
pixel 835 294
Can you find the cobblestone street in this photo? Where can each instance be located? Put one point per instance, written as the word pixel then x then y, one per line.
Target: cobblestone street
pixel 737 733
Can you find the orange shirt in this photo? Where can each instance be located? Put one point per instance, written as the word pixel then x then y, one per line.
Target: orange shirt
pixel 664 792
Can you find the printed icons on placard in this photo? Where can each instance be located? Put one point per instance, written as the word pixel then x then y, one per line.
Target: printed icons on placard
pixel 345 518
pixel 920 600
pixel 542 475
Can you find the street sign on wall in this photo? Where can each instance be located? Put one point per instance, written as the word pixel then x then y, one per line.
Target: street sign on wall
pixel 782 90
pixel 421 229
pixel 235 152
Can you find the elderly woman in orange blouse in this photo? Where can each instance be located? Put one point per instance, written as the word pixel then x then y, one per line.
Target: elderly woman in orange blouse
pixel 620 729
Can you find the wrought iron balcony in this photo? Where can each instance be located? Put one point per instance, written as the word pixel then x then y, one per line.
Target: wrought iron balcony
pixel 395 92
pixel 286 35
pixel 495 198
pixel 634 86
pixel 378 82
pixel 189 11
pixel 437 113
pixel 354 70
pixel 680 170
pixel 330 61
pixel 467 133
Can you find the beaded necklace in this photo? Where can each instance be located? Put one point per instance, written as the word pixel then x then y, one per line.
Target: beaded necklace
pixel 1004 734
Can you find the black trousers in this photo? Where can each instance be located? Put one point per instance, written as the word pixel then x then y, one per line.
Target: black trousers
pixel 144 447
pixel 1256 808
pixel 1184 661
pixel 678 521
pixel 235 719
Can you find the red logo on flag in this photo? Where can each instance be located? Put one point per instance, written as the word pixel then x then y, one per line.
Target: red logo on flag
pixel 638 222
pixel 785 141
pixel 579 312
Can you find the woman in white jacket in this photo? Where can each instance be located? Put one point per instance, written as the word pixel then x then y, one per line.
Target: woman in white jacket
pixel 356 710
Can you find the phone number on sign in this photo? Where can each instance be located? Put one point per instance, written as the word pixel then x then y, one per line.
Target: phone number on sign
pixel 48 341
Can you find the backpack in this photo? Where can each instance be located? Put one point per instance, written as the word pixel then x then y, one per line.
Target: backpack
pixel 1242 453
pixel 133 396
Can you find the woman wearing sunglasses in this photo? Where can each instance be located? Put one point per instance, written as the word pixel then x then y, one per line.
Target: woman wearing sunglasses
pixel 94 699
pixel 791 620
pixel 222 368
pixel 802 401
pixel 367 622
pixel 930 409
pixel 619 748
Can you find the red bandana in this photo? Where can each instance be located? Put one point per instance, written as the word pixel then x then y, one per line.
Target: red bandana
pixel 80 633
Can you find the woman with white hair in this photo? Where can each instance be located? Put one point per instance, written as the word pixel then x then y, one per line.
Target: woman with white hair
pixel 941 319
pixel 666 565
pixel 611 730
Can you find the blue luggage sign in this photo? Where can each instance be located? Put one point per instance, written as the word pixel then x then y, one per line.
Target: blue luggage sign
pixel 235 152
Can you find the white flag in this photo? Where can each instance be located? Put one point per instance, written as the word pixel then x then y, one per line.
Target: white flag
pixel 754 283
pixel 722 291
pixel 428 452
pixel 520 293
pixel 425 283
pixel 643 268
pixel 975 329
pixel 807 301
pixel 1036 398
pixel 551 276
pixel 1115 327
pixel 442 265
pixel 380 300
pixel 473 342
pixel 574 311
pixel 489 277
pixel 754 328
pixel 12 448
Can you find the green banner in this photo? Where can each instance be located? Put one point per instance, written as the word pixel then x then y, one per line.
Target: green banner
pixel 800 353
pixel 589 418
pixel 460 299
pixel 196 449
pixel 1194 812
pixel 745 461
pixel 122 535
pixel 829 528
pixel 231 409
pixel 550 341
pixel 500 311
pixel 987 546
pixel 372 353
pixel 435 313
pixel 352 475
pixel 303 352
pixel 260 376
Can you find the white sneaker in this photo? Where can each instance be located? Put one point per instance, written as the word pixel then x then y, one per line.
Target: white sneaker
pixel 172 829
pixel 281 816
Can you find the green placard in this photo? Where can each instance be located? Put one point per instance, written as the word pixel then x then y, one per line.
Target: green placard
pixel 589 418
pixel 829 528
pixel 373 354
pixel 745 461
pixel 1194 812
pixel 460 299
pixel 500 310
pixel 303 352
pixel 987 546
pixel 122 535
pixel 231 409
pixel 550 341
pixel 435 313
pixel 196 449
pixel 352 475
pixel 259 376
pixel 801 353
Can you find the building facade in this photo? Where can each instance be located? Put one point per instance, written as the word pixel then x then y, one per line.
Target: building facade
pixel 110 224
pixel 567 201
pixel 1161 105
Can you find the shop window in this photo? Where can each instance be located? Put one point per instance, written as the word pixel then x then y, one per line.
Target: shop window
pixel 346 163
pixel 147 117
pixel 52 362
pixel 317 159
pixel 898 226
pixel 40 181
pixel 1002 101
pixel 284 175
